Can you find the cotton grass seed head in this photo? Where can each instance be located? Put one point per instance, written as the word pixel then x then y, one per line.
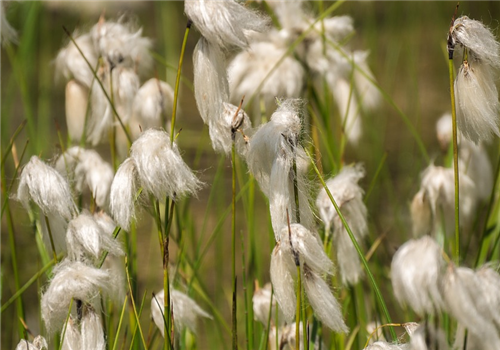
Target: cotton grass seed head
pixel 76 101
pixel 417 269
pixel 261 302
pixel 186 311
pixel 427 337
pixel 282 272
pixel 123 194
pixel 72 280
pixel 92 333
pixel 477 101
pixel 160 167
pixel 39 343
pixel 382 345
pixel 224 23
pixel 43 185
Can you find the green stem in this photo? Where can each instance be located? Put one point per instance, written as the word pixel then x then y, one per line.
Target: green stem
pixel 296 190
pixel 455 163
pixel 297 312
pixel 14 177
pixel 120 322
pixel 233 246
pixel 112 132
pixel 50 237
pixel 133 305
pixel 356 246
pixel 178 80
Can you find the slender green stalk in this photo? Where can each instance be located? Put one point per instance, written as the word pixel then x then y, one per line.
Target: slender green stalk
pixel 105 254
pixel 12 139
pixel 50 237
pixel 14 177
pixel 375 177
pixel 297 311
pixel 268 327
pixel 233 245
pixel 178 80
pixel 120 322
pixel 248 310
pixel 133 305
pixel 166 293
pixel 65 325
pixel 112 131
pixel 356 245
pixel 296 190
pixel 455 163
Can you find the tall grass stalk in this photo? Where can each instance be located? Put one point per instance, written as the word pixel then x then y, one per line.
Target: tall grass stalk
pixel 358 248
pixel 234 321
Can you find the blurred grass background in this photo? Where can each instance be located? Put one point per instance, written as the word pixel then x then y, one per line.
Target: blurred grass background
pixel 407 45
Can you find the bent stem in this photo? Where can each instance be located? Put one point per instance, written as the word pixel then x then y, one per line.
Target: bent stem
pixel 178 80
pixel 356 246
pixel 455 162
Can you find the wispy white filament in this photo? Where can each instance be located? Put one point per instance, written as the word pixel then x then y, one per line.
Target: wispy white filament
pixel 427 337
pixel 39 343
pixel 382 345
pixel 92 333
pixel 72 336
pixel 416 273
pixel 282 277
pixel 71 63
pixel 261 301
pixel 123 192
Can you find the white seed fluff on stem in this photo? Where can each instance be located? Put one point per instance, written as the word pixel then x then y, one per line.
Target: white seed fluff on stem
pixel 349 197
pixel 476 37
pixel 211 88
pixel 324 304
pixel 72 336
pixel 369 95
pixel 47 188
pixel 186 311
pixel 152 104
pixel 92 333
pixel 261 302
pixel 417 269
pixel 160 167
pixel 348 107
pixel 39 343
pixel 123 192
pixel 224 23
pixel 382 345
pixel 71 64
pixel 72 280
pixel 76 102
pixel 477 101
pixel 421 214
pixel 466 300
pixel 427 337
pixel 282 273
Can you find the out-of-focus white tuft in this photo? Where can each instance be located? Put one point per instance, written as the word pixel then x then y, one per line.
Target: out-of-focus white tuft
pixel 421 214
pixel 186 311
pixel 71 64
pixel 382 345
pixel 282 272
pixel 476 37
pixel 39 343
pixel 92 333
pixel 250 67
pixel 47 188
pixel 348 109
pixel 477 101
pixel 369 95
pixel 466 299
pixel 417 269
pixel 427 337
pixel 123 192
pixel 8 33
pixel 152 105
pixel 86 238
pixel 444 131
pixel 324 304
pixel 349 197
pixel 76 102
pixel 88 170
pixel 160 167
pixel 225 23
pixel 261 301
pixel 72 280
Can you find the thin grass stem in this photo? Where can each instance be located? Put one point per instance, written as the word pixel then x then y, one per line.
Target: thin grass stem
pixel 120 322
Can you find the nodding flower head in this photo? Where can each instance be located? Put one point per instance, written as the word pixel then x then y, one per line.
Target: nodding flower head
pixel 160 167
pixel 39 343
pixel 123 194
pixel 225 23
pixel 261 301
pixel 47 188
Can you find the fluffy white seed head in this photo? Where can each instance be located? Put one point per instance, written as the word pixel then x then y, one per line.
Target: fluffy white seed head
pixel 282 272
pixel 43 185
pixel 72 279
pixel 324 304
pixel 427 337
pixel 476 37
pixel 250 67
pixel 76 101
pixel 153 103
pixel 261 301
pixel 382 345
pixel 349 110
pixel 416 273
pixel 477 101
pixel 123 192
pixel 186 311
pixel 421 214
pixel 39 343
pixel 369 95
pixel 92 333
pixel 444 130
pixel 88 170
pixel 72 336
pixel 210 81
pixel 71 64
pixel 224 23
pixel 160 167
pixel 468 302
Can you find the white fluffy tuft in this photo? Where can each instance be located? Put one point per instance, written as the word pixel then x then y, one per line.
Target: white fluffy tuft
pixel 123 191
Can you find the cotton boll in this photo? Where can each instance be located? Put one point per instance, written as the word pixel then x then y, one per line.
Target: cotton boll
pixel 282 277
pixel 224 23
pixel 416 273
pixel 250 67
pixel 39 343
pixel 475 162
pixel 71 64
pixel 261 302
pixel 348 110
pixel 369 95
pixel 477 101
pixel 476 37
pixel 123 192
pixel 47 188
pixel 421 214
pixel 76 102
pixel 444 130
pixel 72 280
pixel 324 304
pixel 467 301
pixel 160 168
pixel 426 337
pixel 210 81
pixel 152 104
pixel 72 336
pixel 186 311
pixel 92 334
